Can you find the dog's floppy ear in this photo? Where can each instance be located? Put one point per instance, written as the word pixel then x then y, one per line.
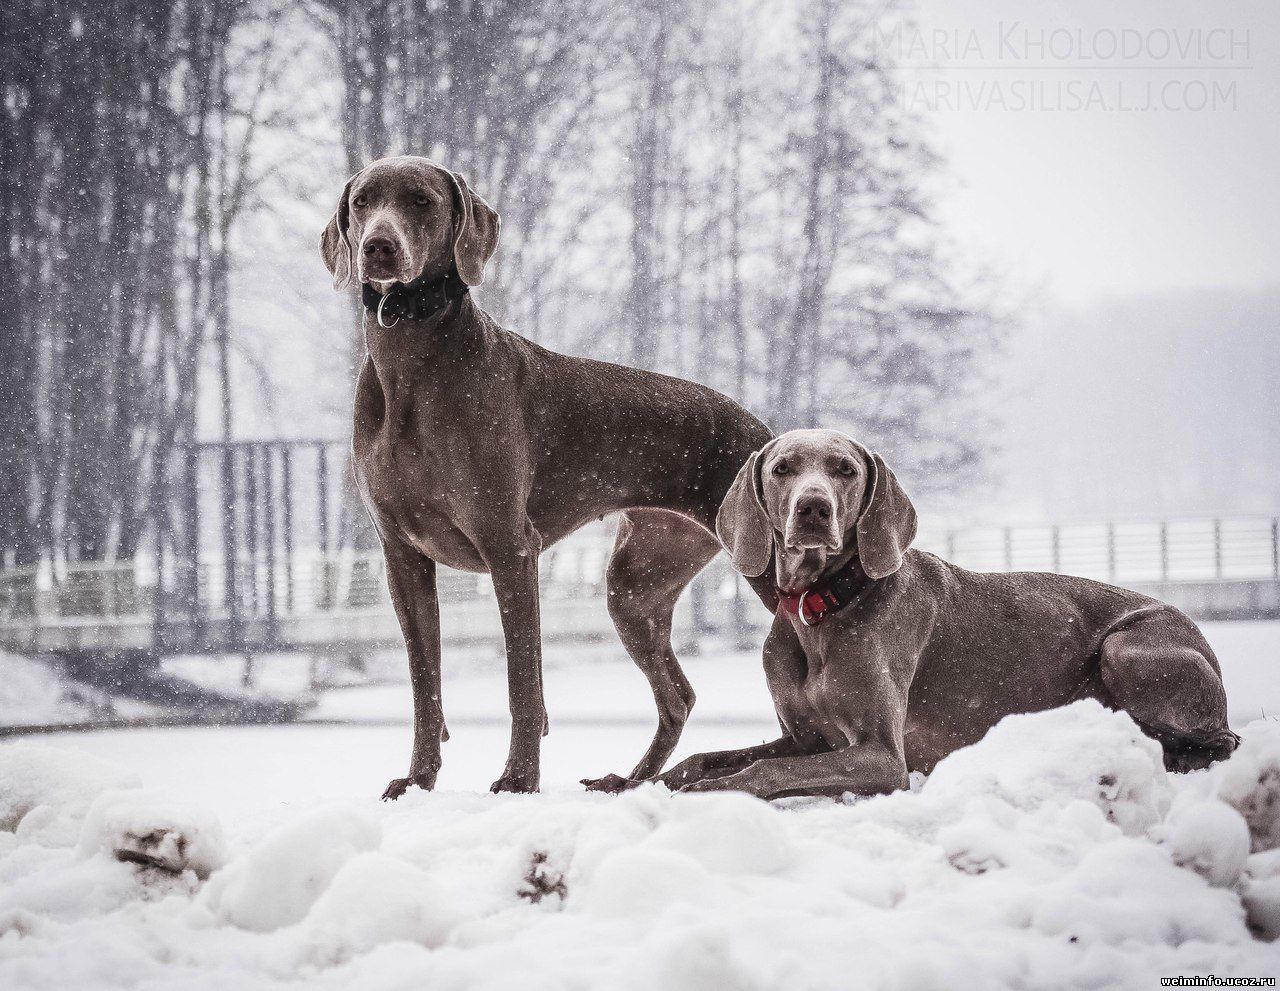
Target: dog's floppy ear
pixel 888 521
pixel 476 236
pixel 742 524
pixel 335 246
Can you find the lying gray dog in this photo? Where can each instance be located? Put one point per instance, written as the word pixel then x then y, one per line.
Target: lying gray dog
pixel 883 659
pixel 475 448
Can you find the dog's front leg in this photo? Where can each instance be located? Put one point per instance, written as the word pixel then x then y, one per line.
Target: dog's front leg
pixel 515 583
pixel 720 763
pixel 411 577
pixel 712 764
pixel 868 769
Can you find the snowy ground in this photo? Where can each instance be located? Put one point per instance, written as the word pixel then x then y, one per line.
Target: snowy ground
pixel 589 682
pixel 1057 853
pixel 32 694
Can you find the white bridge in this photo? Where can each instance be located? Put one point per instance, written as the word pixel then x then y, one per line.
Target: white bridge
pixel 258 546
pixel 313 601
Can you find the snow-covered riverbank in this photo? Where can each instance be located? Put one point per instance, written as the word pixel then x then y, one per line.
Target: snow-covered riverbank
pixel 1056 853
pixel 1045 857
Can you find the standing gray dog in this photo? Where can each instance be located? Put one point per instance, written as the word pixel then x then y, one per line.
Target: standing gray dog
pixel 883 659
pixel 475 448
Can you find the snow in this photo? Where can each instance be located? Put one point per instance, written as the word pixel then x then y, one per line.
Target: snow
pixel 1250 657
pixel 374 899
pixel 1117 769
pixel 591 682
pixel 44 789
pixel 1057 852
pixel 1251 783
pixel 276 883
pixel 1261 893
pixel 155 830
pixel 1211 838
pixel 33 694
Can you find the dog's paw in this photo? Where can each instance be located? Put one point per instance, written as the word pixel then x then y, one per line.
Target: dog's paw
pixel 524 784
pixel 399 786
pixel 396 788
pixel 610 784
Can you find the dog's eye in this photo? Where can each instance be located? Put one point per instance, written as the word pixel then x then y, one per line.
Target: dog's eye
pixel 847 468
pixel 360 201
pixel 781 468
pixel 422 201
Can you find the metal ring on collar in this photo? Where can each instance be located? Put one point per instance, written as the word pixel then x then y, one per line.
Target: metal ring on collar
pixel 381 303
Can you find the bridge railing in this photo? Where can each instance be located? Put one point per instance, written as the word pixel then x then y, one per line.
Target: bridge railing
pixel 255 535
pixel 353 580
pixel 312 582
pixel 1224 549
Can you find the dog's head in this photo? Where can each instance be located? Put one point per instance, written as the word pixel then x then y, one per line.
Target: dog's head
pixel 811 497
pixel 401 218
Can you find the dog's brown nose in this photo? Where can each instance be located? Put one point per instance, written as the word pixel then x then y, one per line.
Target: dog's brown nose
pixel 813 509
pixel 379 249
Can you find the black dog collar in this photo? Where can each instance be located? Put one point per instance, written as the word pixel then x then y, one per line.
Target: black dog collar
pixel 414 300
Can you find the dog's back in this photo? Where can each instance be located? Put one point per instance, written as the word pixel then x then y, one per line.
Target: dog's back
pixel 650 439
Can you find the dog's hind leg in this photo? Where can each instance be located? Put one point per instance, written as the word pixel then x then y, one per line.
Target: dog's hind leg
pixel 1160 670
pixel 656 554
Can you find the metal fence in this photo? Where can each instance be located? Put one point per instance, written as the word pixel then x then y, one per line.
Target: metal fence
pixel 268 550
pixel 1122 552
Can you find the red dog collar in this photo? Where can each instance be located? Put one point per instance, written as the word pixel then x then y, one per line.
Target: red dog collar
pixel 811 605
pixel 817 602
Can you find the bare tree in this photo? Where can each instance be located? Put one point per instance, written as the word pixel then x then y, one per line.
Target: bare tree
pixel 674 194
pixel 120 222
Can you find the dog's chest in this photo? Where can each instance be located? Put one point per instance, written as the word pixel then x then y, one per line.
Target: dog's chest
pixel 413 496
pixel 821 692
pixel 808 692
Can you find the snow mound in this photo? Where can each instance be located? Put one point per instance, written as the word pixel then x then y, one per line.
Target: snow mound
pixel 640 882
pixel 1054 853
pixel 35 693
pixel 1208 837
pixel 373 899
pixel 276 883
pixel 1261 894
pixel 695 959
pixel 1250 783
pixel 729 833
pixel 654 851
pixel 45 791
pixel 1128 893
pixel 153 830
pixel 1082 751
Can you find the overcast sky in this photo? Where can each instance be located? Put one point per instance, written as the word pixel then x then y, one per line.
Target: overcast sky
pixel 1099 194
pixel 1116 164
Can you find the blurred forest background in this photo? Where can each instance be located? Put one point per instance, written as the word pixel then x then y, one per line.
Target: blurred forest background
pixel 680 190
pixel 727 190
